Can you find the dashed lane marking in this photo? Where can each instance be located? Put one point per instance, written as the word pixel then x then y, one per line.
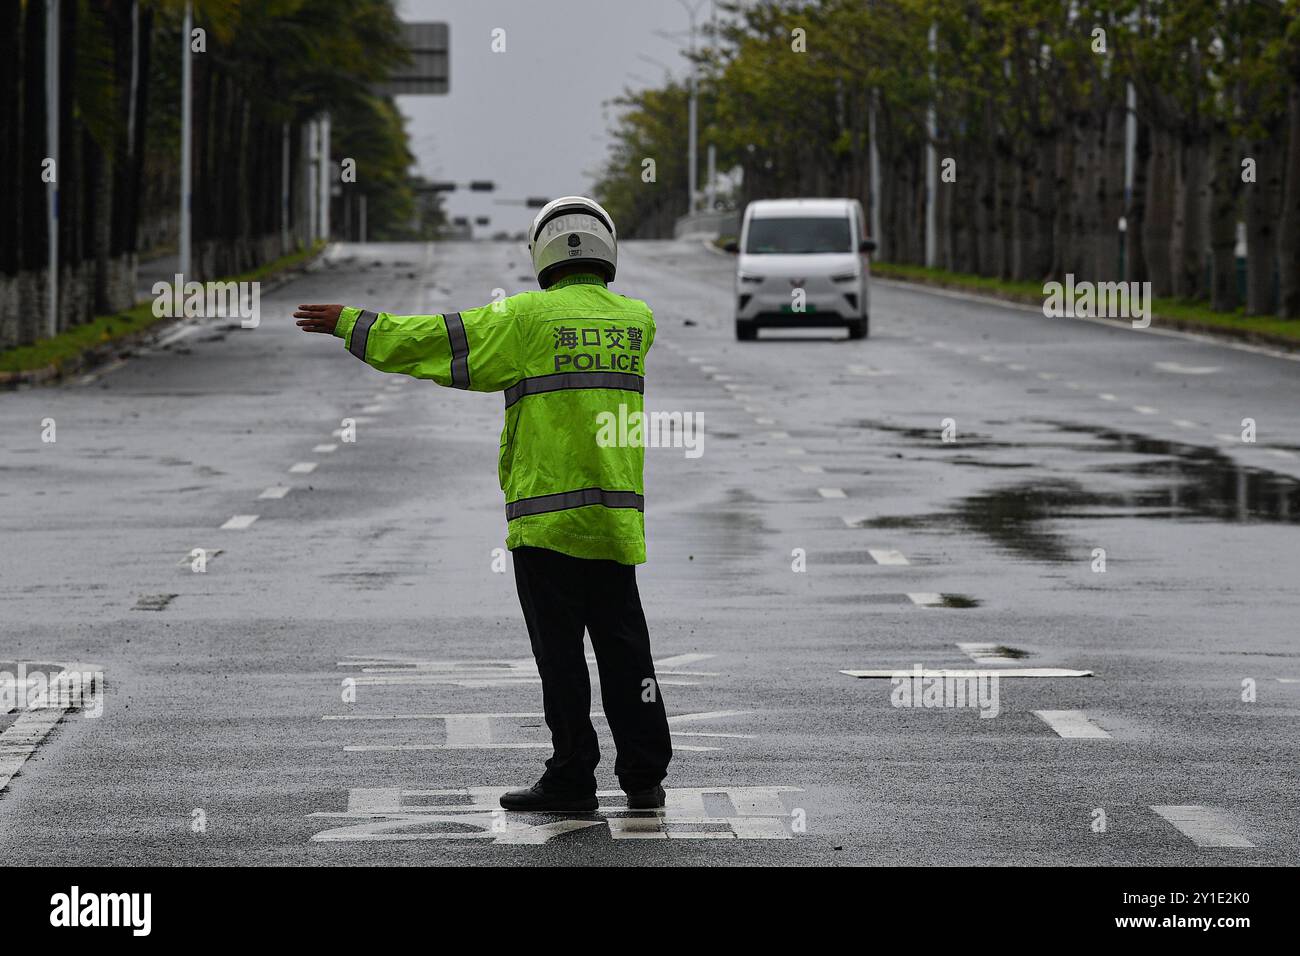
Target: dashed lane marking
pixel 1016 367
pixel 994 654
pixel 1178 369
pixel 238 522
pixel 303 468
pixel 1071 723
pixel 374 409
pixel 1204 826
pixel 1184 423
pixel 1281 453
pixel 1227 439
pixel 1107 397
pixel 275 491
pixel 1048 376
pixel 325 449
pixel 764 421
pixel 1146 410
pixel 795 451
pixel 887 556
pixel 925 598
pixel 832 492
pixel 812 469
pixel 969 672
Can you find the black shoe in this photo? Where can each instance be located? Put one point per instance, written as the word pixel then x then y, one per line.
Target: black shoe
pixel 538 799
pixel 652 799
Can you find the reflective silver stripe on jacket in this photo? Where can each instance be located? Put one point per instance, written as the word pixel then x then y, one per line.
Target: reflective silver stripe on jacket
pixel 565 380
pixel 565 500
pixel 360 333
pixel 459 350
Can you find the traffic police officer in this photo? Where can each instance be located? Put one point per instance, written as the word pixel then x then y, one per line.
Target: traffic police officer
pixel 574 508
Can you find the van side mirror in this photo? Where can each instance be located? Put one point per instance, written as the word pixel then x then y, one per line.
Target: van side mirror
pixel 867 245
pixel 731 246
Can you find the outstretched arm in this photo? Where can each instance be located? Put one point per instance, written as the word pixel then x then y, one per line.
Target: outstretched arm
pixel 474 349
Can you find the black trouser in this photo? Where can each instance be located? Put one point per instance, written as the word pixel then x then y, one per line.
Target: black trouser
pixel 560 596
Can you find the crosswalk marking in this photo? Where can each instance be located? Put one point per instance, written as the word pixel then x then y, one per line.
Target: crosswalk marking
pixel 303 468
pixel 1072 723
pixel 275 491
pixel 238 522
pixel 1204 826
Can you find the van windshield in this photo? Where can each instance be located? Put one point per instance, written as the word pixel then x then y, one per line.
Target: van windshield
pixel 798 236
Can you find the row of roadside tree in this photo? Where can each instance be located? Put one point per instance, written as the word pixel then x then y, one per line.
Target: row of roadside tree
pixel 1027 104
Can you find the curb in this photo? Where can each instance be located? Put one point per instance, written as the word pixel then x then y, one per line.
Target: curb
pixel 98 355
pixel 1248 336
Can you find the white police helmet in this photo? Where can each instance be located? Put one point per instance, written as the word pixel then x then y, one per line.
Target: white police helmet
pixel 572 229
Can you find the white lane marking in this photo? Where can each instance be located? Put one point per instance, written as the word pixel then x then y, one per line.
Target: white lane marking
pixel 852 521
pixel 21 738
pixel 1178 369
pixel 764 421
pixel 1073 385
pixel 1204 826
pixel 1281 453
pixel 374 409
pixel 1071 723
pixel 708 368
pixel 988 358
pixel 1107 397
pixel 238 522
pixel 795 451
pixel 678 661
pixel 984 653
pixel 111 367
pixel 325 449
pixel 694 358
pixel 778 434
pixel 1228 439
pixel 275 491
pixel 812 469
pixel 1016 367
pixel 925 598
pixel 1047 376
pixel 966 672
pixel 1184 423
pixel 732 387
pixel 1146 410
pixel 303 468
pixel 832 492
pixel 724 378
pixel 887 556
pixel 869 370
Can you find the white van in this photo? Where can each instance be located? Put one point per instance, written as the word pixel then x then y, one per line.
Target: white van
pixel 802 265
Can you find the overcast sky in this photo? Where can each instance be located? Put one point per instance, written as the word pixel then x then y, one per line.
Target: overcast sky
pixel 534 119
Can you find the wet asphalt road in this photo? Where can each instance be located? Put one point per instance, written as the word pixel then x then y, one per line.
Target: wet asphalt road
pixel 229 733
